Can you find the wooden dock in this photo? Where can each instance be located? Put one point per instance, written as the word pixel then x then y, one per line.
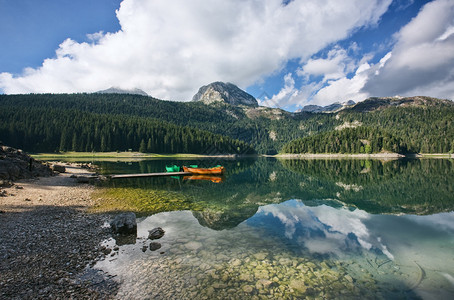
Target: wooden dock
pixel 149 175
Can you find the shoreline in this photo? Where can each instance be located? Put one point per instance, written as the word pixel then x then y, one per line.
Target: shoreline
pixel 390 156
pixel 83 156
pixel 137 156
pixel 49 240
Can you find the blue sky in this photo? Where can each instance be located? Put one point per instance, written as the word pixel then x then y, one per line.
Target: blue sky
pixel 288 54
pixel 31 30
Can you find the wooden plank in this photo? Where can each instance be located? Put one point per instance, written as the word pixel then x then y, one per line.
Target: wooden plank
pixel 149 175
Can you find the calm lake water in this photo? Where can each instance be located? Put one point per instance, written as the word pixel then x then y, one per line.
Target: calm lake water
pixel 289 229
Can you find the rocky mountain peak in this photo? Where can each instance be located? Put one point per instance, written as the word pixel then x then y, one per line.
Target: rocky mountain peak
pixel 334 107
pixel 115 90
pixel 224 92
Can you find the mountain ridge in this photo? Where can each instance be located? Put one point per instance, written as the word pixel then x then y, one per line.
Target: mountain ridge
pixel 380 103
pixel 333 107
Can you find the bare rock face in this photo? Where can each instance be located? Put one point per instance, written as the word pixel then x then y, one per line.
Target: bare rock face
pixel 334 107
pixel 224 92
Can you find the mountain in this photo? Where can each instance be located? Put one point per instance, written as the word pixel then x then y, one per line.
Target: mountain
pixel 334 107
pixel 114 90
pixel 224 92
pixel 381 103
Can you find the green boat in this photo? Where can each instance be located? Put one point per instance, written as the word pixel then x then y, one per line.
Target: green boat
pixel 173 168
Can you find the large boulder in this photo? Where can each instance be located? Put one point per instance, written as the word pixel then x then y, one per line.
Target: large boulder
pixel 16 164
pixel 124 223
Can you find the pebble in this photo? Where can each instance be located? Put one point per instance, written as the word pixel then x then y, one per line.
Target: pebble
pixel 193 245
pixel 248 289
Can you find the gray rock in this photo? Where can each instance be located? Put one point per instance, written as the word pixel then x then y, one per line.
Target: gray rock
pixel 224 92
pixel 125 239
pixel 154 246
pixel 82 179
pixel 15 164
pixel 124 223
pixel 156 233
pixel 59 168
pixel 5 183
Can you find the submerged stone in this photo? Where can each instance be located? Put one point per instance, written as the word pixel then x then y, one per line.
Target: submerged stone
pixel 156 233
pixel 248 289
pixel 298 285
pixel 260 256
pixel 154 246
pixel 261 274
pixel 193 245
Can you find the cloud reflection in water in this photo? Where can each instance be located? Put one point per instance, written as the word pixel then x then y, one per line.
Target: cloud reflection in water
pixel 321 230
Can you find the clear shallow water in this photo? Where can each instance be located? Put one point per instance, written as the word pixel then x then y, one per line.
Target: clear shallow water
pixel 296 229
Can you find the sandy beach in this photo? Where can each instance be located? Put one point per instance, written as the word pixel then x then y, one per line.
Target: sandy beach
pixel 47 239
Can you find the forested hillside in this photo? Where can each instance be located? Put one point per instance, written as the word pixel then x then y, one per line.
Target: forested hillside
pixel 349 140
pixel 256 126
pixel 51 130
pixel 423 129
pixel 106 122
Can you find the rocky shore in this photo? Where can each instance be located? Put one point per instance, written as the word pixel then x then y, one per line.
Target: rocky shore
pixel 48 240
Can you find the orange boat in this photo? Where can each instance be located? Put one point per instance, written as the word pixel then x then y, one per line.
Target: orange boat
pixel 218 170
pixel 215 179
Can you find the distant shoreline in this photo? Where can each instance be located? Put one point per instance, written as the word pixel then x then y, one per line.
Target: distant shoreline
pixel 125 155
pixel 364 156
pixel 141 156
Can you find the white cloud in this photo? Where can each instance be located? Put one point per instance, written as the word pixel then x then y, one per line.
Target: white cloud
pixel 344 88
pixel 170 48
pixel 334 85
pixel 337 65
pixel 285 96
pixel 422 61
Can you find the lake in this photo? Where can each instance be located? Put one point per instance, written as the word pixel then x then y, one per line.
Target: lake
pixel 283 229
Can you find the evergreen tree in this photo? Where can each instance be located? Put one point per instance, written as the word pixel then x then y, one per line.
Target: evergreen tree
pixel 143 147
pixel 149 146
